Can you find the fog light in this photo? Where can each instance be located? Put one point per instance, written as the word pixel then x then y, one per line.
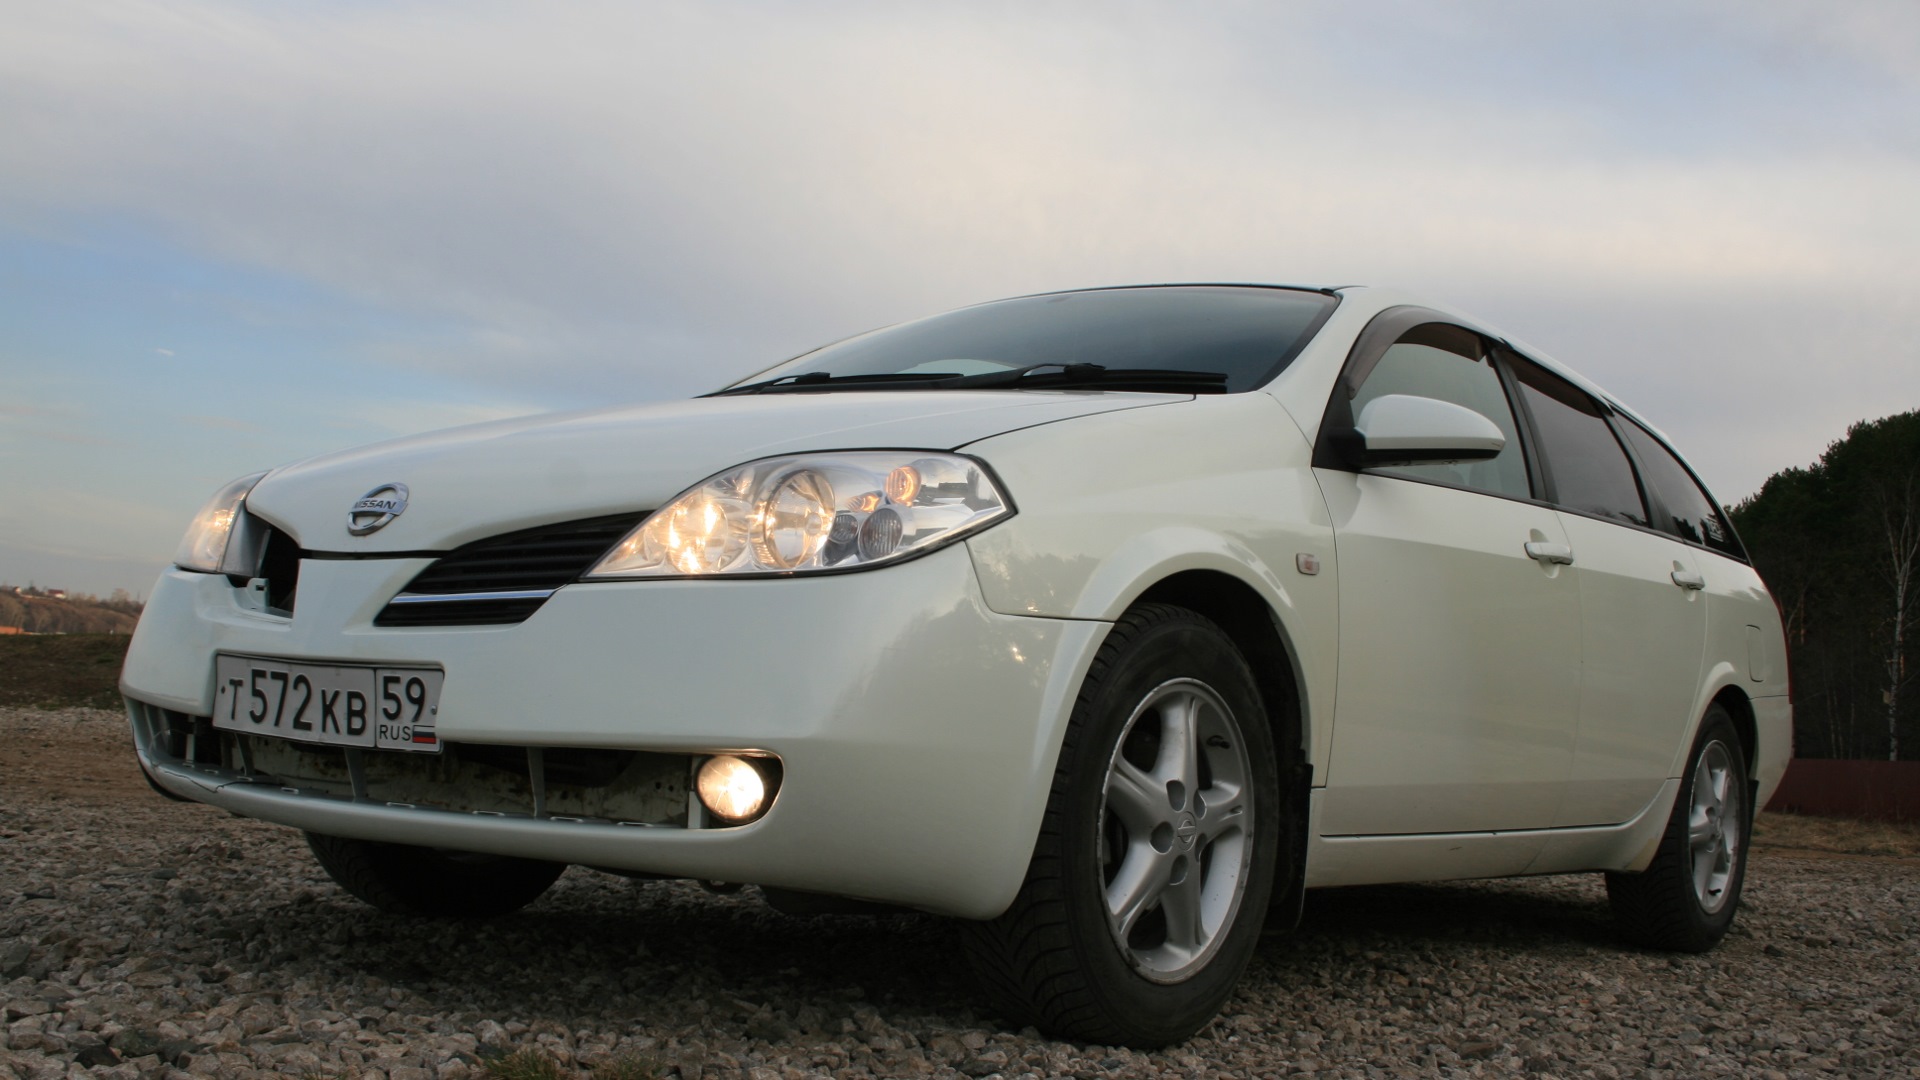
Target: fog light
pixel 732 788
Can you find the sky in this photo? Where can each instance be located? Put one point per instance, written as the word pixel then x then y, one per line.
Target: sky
pixel 236 235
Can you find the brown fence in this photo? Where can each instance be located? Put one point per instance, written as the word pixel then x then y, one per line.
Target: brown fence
pixel 1868 790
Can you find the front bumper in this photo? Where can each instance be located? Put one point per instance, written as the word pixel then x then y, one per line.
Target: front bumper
pixel 916 728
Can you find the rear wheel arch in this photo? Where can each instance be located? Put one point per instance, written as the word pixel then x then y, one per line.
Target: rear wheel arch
pixel 1741 710
pixel 1686 898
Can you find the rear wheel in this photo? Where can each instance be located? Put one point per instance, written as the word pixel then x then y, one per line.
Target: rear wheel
pixel 407 880
pixel 1155 860
pixel 1686 898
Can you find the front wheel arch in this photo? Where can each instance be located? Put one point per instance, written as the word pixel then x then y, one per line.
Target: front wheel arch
pixel 1060 957
pixel 1257 630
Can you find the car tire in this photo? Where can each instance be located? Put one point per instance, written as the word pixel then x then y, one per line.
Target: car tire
pixel 406 880
pixel 1152 872
pixel 1684 901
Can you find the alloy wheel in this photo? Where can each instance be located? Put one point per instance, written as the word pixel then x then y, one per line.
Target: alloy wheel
pixel 1175 836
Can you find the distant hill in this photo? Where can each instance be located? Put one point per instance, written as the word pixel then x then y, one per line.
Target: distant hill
pixel 33 611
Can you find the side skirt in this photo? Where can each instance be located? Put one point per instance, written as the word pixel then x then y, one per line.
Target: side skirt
pixel 1379 860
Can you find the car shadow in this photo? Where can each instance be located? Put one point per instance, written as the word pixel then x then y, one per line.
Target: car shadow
pixel 1422 936
pixel 671 956
pixel 602 951
pixel 1524 912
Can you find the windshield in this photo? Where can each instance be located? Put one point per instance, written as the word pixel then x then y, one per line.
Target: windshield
pixel 1246 333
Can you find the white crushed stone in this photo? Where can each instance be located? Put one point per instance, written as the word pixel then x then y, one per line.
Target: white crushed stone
pixel 141 938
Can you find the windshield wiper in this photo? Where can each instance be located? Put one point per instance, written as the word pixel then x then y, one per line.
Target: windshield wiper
pixel 1031 377
pixel 820 380
pixel 1096 376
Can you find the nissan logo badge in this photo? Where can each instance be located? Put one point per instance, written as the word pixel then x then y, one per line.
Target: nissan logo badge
pixel 376 508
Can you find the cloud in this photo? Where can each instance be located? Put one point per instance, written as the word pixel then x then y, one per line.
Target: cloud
pixel 78 572
pixel 621 201
pixel 731 170
pixel 223 423
pixel 164 352
pixel 80 438
pixel 386 418
pixel 43 424
pixel 88 524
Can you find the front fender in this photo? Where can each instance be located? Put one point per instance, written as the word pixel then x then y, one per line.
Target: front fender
pixel 1033 582
pixel 1217 484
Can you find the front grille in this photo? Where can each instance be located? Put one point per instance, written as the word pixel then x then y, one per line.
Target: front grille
pixel 570 783
pixel 503 579
pixel 578 785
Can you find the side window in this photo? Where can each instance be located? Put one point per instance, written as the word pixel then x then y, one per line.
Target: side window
pixel 1584 463
pixel 1448 363
pixel 1690 514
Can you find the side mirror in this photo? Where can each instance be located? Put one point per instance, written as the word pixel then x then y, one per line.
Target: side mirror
pixel 1401 429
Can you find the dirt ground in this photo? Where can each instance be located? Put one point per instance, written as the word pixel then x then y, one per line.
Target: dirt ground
pixel 55 670
pixel 84 759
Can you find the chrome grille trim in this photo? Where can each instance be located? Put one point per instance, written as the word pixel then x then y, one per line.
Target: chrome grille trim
pixel 460 598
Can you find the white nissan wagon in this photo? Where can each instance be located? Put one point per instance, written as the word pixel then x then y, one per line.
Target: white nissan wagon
pixel 1108 621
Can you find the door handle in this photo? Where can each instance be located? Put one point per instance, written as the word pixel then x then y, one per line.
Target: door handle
pixel 1689 579
pixel 1550 553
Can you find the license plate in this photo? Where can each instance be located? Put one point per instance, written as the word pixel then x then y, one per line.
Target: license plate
pixel 381 708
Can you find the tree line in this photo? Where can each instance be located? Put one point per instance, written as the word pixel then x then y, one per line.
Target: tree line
pixel 1838 543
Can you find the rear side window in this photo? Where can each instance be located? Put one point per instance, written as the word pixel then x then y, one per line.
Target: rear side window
pixel 1437 361
pixel 1689 513
pixel 1585 466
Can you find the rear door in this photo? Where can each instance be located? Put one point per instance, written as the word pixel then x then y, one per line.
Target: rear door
pixel 1714 569
pixel 1643 619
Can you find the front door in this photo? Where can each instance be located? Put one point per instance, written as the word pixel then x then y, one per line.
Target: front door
pixel 1458 690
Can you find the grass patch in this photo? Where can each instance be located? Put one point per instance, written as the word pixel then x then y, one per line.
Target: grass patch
pixel 626 1068
pixel 1839 836
pixel 525 1063
pixel 61 670
pixel 532 1063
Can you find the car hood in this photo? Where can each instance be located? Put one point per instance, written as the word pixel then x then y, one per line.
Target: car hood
pixel 472 482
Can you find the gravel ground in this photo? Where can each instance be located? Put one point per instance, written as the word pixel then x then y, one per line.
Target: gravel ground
pixel 143 938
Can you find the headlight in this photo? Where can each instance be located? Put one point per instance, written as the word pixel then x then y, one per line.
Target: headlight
pixel 811 512
pixel 206 545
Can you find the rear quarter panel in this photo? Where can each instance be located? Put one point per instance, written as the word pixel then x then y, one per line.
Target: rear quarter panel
pixel 1747 651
